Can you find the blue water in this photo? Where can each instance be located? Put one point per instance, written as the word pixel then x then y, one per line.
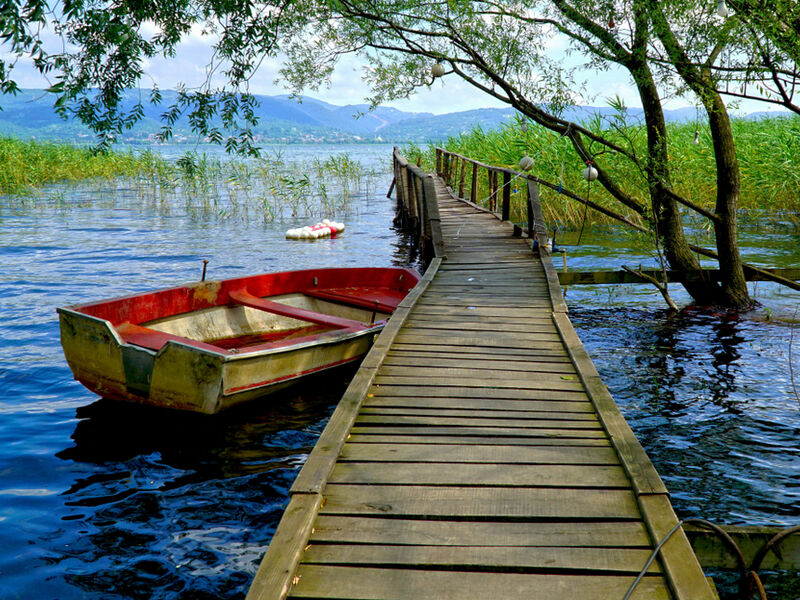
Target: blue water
pixel 101 500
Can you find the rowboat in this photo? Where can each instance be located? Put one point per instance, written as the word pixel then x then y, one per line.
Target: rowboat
pixel 209 345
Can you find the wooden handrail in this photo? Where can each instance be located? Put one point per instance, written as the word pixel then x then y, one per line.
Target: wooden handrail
pixel 417 204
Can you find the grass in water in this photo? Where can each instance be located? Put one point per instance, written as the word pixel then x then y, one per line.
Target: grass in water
pixel 28 165
pixel 271 187
pixel 766 149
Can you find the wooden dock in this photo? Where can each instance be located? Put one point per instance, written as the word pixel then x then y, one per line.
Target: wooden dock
pixel 477 454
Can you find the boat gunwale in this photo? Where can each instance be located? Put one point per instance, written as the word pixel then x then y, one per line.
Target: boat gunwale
pixel 320 339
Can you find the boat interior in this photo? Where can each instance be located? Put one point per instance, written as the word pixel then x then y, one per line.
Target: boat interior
pixel 250 323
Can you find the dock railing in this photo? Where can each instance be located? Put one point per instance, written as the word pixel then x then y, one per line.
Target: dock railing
pixel 417 209
pixel 452 168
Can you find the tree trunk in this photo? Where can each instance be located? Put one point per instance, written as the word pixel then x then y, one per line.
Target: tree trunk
pixel 666 211
pixel 734 286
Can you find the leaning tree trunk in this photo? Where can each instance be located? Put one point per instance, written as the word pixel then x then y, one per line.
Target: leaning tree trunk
pixel 666 211
pixel 734 286
pixel 733 292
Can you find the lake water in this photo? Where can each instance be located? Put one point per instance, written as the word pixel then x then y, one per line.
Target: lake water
pixel 99 500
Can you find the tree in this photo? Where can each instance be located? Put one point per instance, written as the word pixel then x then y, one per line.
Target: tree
pixel 500 47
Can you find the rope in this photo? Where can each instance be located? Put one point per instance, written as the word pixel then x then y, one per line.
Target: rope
pixel 749 581
pixel 650 560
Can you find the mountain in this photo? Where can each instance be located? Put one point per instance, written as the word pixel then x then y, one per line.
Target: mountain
pixel 283 119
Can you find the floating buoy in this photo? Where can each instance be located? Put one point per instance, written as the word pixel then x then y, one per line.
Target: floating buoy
pixel 325 228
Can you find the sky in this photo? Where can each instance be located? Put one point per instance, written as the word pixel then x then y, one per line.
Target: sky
pixel 445 95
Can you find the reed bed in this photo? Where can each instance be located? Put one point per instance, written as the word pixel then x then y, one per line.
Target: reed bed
pixel 767 150
pixel 272 188
pixel 29 165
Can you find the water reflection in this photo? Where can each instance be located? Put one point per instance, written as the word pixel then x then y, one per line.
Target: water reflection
pixel 172 502
pixel 709 396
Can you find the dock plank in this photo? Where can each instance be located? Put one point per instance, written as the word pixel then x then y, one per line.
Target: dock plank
pixel 479 455
pixel 469 502
pixel 581 534
pixel 484 558
pixel 481 475
pixel 336 582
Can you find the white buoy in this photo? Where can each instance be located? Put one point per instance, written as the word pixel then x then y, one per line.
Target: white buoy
pixel 590 173
pixel 325 228
pixel 437 70
pixel 722 9
pixel 526 163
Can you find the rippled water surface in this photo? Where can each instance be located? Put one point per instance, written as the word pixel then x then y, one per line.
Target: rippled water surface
pixel 102 500
pixel 99 500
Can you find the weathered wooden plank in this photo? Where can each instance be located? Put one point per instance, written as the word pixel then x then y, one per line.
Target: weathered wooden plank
pixel 438 373
pixel 615 277
pixel 464 355
pixel 312 476
pixel 478 365
pixel 641 471
pixel 464 440
pixel 335 582
pixel 515 291
pixel 481 404
pixel 505 342
pixel 480 266
pixel 274 576
pixel 484 558
pixel 466 392
pixel 481 325
pixel 470 331
pixel 481 475
pixel 478 453
pixel 373 420
pixel 463 308
pixel 517 383
pixel 679 562
pixel 487 300
pixel 581 534
pixel 418 345
pixel 492 278
pixel 712 552
pixel 484 413
pixel 501 503
pixel 542 320
pixel 433 430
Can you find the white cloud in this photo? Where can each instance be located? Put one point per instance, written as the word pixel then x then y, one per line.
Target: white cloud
pixel 448 94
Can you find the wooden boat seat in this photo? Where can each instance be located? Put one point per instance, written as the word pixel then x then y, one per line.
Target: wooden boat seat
pixel 385 301
pixel 155 340
pixel 245 298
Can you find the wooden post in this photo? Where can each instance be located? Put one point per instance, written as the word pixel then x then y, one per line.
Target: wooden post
pixel 413 202
pixel 461 178
pixel 491 179
pixel 432 208
pixel 439 162
pixel 451 175
pixel 424 223
pixel 529 208
pixel 473 191
pixel 535 215
pixel 506 211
